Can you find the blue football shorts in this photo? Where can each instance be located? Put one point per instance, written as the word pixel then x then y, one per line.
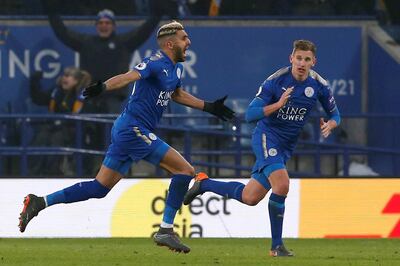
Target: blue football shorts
pixel 131 143
pixel 269 156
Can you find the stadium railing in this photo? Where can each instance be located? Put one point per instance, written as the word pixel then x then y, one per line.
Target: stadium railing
pixel 228 133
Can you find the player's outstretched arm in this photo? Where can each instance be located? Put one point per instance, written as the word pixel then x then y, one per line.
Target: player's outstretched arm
pixel 328 103
pixel 182 97
pixel 116 82
pixel 217 108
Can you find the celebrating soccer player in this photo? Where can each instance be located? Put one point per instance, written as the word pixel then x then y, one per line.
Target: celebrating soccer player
pixel 157 80
pixel 281 108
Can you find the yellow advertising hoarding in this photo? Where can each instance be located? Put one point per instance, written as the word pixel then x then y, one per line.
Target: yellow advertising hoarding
pixel 349 208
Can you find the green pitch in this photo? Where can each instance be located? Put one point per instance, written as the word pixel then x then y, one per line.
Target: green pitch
pixel 136 251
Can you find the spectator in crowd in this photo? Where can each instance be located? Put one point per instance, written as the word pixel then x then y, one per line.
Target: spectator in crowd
pixel 98 52
pixel 64 98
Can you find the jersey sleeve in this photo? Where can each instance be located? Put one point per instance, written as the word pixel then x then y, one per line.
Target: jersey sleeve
pixel 328 101
pixel 266 92
pixel 147 68
pixel 255 111
pixel 179 73
pixel 79 96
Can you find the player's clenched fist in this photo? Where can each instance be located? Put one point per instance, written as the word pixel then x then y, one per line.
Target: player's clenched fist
pixel 285 96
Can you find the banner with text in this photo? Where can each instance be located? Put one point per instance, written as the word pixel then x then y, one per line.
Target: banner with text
pixel 315 208
pixel 221 60
pixel 134 208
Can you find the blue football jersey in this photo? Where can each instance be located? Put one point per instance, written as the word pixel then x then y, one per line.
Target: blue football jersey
pixel 286 123
pixel 151 94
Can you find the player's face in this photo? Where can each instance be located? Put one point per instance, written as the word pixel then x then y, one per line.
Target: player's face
pixel 104 27
pixel 302 62
pixel 68 82
pixel 181 44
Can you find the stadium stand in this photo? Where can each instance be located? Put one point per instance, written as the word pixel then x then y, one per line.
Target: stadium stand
pixel 221 149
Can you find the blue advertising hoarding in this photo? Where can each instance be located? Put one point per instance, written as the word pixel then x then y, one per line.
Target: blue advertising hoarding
pixel 221 60
pixel 383 98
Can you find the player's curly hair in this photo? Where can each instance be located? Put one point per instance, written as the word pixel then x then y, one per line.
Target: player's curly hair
pixel 304 45
pixel 169 29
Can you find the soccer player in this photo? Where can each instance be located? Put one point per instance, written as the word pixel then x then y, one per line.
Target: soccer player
pixel 281 108
pixel 157 80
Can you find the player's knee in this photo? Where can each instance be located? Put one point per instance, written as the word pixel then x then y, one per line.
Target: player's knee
pixel 250 199
pixel 282 189
pixel 188 170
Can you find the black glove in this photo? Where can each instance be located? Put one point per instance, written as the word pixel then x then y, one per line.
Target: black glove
pixel 93 90
pixel 219 109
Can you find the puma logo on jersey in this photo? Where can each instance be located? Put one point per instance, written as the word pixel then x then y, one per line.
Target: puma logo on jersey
pixel 166 72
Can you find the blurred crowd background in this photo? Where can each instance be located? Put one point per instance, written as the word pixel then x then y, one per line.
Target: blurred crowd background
pixel 205 7
pixel 387 12
pixel 53 145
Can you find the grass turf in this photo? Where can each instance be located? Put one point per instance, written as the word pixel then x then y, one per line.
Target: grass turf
pixel 214 251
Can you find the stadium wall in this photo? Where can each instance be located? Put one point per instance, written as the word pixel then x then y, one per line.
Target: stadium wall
pixel 384 96
pixel 219 50
pixel 366 208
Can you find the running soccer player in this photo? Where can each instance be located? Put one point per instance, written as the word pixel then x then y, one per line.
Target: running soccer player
pixel 158 79
pixel 281 108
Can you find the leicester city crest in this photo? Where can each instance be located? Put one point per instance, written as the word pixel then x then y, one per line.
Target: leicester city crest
pixel 309 92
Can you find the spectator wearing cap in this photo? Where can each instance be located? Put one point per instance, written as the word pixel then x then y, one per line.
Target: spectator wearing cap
pixel 106 48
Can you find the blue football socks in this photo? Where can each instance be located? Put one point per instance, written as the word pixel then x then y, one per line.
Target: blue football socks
pixel 276 207
pixel 177 190
pixel 231 190
pixel 78 192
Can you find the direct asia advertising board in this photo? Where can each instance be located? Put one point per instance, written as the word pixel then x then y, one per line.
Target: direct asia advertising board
pixel 315 208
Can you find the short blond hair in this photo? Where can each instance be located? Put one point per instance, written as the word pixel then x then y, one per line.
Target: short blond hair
pixel 169 29
pixel 304 45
